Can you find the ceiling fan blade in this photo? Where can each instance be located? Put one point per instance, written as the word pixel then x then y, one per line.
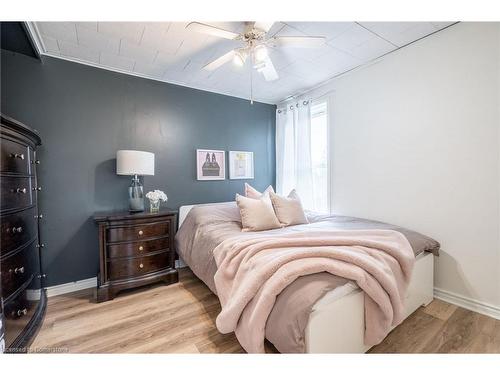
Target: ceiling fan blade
pixel 217 63
pixel 268 70
pixel 299 41
pixel 211 30
pixel 264 26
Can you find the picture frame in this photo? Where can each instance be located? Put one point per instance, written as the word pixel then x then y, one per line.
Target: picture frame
pixel 210 165
pixel 241 165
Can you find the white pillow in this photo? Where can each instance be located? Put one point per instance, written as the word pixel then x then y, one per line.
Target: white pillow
pixel 288 209
pixel 251 192
pixel 257 214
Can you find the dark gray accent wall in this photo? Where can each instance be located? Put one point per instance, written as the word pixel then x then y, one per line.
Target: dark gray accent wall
pixel 85 114
pixel 13 37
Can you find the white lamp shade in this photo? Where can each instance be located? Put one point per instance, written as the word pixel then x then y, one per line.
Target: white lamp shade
pixel 131 162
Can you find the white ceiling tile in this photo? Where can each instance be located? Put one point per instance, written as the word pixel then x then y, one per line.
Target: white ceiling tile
pixel 197 52
pixel 400 33
pixel 166 58
pixel 336 61
pixel 137 52
pixel 114 61
pixel 372 49
pixel 98 41
pixel 441 25
pixel 132 31
pixel 194 72
pixel 88 25
pixel 78 52
pixel 155 34
pixel 327 29
pixel 59 30
pixel 352 37
pixel 152 70
pixel 51 45
pixel 361 43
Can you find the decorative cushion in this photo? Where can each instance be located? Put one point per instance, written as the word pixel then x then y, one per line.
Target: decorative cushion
pixel 288 209
pixel 257 214
pixel 251 192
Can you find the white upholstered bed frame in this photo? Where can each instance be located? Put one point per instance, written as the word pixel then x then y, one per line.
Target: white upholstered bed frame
pixel 337 322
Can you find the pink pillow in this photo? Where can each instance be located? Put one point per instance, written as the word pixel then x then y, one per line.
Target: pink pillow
pixel 288 209
pixel 257 214
pixel 251 192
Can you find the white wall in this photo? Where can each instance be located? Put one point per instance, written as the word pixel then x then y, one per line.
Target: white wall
pixel 415 142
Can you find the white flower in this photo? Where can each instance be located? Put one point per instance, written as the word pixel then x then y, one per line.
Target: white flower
pixel 156 195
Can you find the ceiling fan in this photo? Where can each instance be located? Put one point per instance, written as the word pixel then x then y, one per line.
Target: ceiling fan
pixel 256 41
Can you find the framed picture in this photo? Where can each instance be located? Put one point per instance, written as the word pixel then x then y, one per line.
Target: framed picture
pixel 210 165
pixel 240 165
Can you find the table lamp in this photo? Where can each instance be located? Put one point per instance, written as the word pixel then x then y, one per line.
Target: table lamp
pixel 135 163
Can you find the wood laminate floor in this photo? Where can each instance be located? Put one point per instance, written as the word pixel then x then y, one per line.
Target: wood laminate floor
pixel 180 318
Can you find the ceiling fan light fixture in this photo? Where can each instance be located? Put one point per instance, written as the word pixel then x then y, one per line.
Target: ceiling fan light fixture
pixel 260 53
pixel 239 58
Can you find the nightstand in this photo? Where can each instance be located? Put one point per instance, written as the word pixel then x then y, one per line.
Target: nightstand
pixel 135 249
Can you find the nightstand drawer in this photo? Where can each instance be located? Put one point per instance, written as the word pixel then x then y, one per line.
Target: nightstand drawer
pixel 138 248
pixel 138 232
pixel 132 267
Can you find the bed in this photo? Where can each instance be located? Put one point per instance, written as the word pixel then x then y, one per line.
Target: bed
pixel 327 311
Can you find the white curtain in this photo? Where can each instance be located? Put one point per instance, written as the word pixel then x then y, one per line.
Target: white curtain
pixel 293 151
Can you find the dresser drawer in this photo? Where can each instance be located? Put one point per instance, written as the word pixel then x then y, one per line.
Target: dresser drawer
pixel 17 229
pixel 138 248
pixel 17 192
pixel 130 267
pixel 17 314
pixel 18 268
pixel 15 157
pixel 138 232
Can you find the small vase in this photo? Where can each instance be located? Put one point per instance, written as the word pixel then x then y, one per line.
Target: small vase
pixel 154 206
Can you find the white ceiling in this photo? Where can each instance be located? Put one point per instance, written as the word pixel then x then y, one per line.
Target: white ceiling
pixel 167 51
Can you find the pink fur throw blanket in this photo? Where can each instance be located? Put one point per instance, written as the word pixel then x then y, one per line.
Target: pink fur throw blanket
pixel 252 272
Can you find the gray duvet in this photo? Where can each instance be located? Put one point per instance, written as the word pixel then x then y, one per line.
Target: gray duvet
pixel 206 226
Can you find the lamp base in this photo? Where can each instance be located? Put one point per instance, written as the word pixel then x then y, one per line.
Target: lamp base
pixel 136 195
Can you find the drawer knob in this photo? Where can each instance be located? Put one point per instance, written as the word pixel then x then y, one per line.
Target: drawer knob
pixel 17 230
pixel 141 233
pixel 37 161
pixel 19 270
pixel 39 216
pixel 40 245
pixel 19 190
pixel 141 248
pixel 17 156
pixel 141 265
pixel 39 188
pixel 22 312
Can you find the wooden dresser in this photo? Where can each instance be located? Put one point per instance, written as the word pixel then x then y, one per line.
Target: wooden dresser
pixel 22 292
pixel 136 249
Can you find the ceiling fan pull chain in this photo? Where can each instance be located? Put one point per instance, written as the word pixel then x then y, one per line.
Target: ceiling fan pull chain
pixel 251 82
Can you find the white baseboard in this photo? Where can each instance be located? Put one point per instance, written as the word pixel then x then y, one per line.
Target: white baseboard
pixel 71 287
pixel 75 286
pixel 468 303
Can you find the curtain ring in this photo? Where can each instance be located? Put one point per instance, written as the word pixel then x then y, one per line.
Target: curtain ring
pixel 291 107
pixel 279 110
pixel 305 102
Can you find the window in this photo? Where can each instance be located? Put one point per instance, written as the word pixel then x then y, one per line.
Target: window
pixel 302 153
pixel 319 155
